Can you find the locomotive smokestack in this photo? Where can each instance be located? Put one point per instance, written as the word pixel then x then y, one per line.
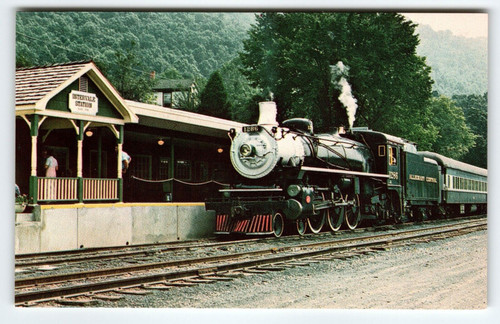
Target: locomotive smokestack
pixel 268 113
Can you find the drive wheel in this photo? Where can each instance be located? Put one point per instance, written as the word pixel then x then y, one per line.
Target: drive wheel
pixel 353 213
pixel 301 226
pixel 336 214
pixel 278 224
pixel 316 222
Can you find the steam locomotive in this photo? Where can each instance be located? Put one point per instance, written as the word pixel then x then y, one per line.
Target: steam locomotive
pixel 291 178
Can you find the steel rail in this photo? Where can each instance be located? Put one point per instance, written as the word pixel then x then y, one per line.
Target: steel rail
pixel 30 296
pixel 140 250
pixel 148 266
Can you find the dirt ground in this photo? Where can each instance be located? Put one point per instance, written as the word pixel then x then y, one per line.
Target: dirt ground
pixel 446 274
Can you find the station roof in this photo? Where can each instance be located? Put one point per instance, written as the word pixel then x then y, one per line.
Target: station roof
pixel 181 120
pixel 36 86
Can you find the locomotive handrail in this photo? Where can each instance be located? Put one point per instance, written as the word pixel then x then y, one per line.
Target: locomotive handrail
pixel 252 190
pixel 362 174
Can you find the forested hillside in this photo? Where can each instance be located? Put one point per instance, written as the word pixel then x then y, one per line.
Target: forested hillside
pixel 193 44
pixel 197 44
pixel 459 65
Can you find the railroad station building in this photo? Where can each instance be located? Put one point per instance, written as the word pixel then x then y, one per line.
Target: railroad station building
pixel 74 112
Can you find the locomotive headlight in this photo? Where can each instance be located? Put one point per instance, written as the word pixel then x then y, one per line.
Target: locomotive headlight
pixel 245 150
pixel 293 190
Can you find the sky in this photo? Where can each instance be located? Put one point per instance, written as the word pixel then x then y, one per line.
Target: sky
pixel 460 24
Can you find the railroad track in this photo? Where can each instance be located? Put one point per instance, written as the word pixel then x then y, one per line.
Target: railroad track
pixel 115 252
pixel 89 286
pixel 52 258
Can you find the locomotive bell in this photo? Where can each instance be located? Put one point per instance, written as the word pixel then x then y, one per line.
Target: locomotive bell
pixel 267 114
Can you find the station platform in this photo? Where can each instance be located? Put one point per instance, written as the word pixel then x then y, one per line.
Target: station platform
pixel 75 226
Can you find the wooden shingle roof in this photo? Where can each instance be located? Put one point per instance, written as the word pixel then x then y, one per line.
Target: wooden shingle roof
pixel 33 84
pixel 36 86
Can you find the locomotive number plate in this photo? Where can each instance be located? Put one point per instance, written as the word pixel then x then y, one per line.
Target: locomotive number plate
pixel 251 129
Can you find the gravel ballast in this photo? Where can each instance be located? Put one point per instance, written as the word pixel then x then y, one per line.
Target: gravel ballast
pixel 444 274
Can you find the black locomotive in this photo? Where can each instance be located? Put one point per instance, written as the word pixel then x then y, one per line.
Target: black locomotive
pixel 291 177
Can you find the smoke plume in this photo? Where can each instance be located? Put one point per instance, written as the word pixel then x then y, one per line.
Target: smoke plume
pixel 346 97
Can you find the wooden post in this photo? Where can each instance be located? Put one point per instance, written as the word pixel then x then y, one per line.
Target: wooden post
pixel 171 168
pixel 119 166
pixel 99 153
pixel 33 189
pixel 79 163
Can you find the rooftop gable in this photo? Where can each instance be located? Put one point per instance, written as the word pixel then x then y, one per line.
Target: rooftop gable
pixel 36 86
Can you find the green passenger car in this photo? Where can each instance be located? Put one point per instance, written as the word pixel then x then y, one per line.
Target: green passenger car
pixel 465 187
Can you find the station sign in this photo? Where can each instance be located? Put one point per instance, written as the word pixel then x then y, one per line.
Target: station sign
pixel 83 103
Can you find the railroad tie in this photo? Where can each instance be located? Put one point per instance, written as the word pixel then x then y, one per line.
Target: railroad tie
pixel 76 301
pixel 200 280
pixel 179 283
pixel 216 278
pixel 107 297
pixel 131 291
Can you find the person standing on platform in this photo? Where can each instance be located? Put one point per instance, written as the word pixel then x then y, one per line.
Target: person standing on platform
pixel 51 165
pixel 126 159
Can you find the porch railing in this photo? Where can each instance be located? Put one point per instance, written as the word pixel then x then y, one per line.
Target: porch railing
pixel 100 189
pixel 60 189
pixel 66 189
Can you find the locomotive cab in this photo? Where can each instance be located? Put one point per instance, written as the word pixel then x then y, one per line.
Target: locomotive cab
pixel 389 154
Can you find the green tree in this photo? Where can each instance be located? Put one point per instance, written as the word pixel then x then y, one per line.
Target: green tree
pixel 239 91
pixel 291 54
pixel 213 98
pixel 454 137
pixel 475 108
pixel 190 100
pixel 128 74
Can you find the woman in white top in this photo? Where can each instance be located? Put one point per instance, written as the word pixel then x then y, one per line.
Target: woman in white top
pixel 51 165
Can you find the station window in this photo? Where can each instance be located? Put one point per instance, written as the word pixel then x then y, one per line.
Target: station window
pixel 141 166
pixel 183 170
pixel 201 171
pixel 163 168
